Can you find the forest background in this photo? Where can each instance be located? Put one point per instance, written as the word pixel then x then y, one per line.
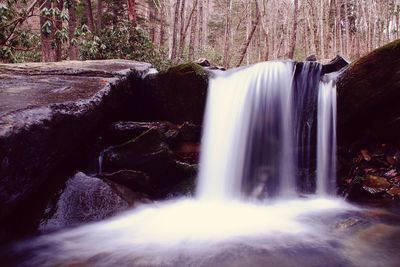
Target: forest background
pixel 163 32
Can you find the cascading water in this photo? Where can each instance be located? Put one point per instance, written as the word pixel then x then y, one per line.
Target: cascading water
pixel 260 131
pixel 326 144
pixel 259 142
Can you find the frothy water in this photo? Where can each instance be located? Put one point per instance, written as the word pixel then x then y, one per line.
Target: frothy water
pixel 258 149
pixel 326 145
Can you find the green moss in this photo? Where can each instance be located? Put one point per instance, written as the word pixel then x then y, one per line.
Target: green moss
pixel 186 69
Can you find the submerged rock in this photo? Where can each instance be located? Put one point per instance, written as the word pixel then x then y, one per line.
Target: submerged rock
pixel 87 199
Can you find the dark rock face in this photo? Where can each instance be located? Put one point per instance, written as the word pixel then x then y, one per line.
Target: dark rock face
pixel 336 64
pixel 135 180
pixel 48 119
pixel 123 131
pixel 157 161
pixel 147 153
pixel 368 128
pixel 88 199
pixel 177 95
pixel 368 94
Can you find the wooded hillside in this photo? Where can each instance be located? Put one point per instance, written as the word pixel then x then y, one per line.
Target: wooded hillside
pixel 227 32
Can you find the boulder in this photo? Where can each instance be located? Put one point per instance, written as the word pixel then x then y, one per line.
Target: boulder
pixel 203 62
pixel 368 93
pixel 88 199
pixel 311 58
pixel 177 95
pixel 122 131
pixel 49 113
pixel 147 153
pixel 135 180
pixel 335 65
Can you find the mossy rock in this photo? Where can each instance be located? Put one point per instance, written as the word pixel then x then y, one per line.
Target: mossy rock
pixel 369 92
pixel 178 94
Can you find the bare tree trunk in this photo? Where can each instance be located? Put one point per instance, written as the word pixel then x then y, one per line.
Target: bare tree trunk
pixel 182 30
pixel 73 51
pixel 89 15
pixel 243 50
pixel 322 43
pixel 132 12
pixel 193 29
pixel 175 31
pixel 47 39
pixel 99 15
pixel 162 25
pixel 58 24
pixel 201 22
pixel 228 25
pixel 294 30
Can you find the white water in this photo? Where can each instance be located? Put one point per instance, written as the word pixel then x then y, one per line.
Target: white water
pixel 326 143
pixel 248 130
pixel 233 106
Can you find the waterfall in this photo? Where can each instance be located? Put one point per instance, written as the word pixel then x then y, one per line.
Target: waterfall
pixel 259 137
pixel 326 144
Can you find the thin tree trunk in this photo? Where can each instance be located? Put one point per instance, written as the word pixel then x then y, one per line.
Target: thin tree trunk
pixel 227 39
pixel 132 12
pixel 243 50
pixel 193 29
pixel 183 35
pixel 89 15
pixel 47 39
pixel 59 24
pixel 73 51
pixel 182 30
pixel 175 31
pixel 162 25
pixel 322 41
pixel 294 30
pixel 99 15
pixel 201 22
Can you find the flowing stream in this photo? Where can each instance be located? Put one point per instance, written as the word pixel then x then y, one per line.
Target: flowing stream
pixel 265 192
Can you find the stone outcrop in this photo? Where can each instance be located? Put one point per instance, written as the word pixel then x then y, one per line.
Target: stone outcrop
pixel 88 199
pixel 48 115
pixel 178 94
pixel 368 126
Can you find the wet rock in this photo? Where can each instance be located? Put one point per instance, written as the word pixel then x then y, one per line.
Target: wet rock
pixel 375 184
pixel 147 153
pixel 135 180
pixel 188 152
pixel 311 58
pixel 367 96
pixel 344 225
pixel 365 155
pixel 185 175
pixel 177 95
pixel 48 114
pixel 394 192
pixel 203 62
pixel 335 65
pixel 189 132
pixel 123 131
pixel 87 199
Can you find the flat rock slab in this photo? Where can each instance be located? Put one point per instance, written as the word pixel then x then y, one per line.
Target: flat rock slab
pixel 48 112
pixel 40 84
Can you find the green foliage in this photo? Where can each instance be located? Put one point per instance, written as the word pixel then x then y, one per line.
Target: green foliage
pixel 18 41
pixel 124 42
